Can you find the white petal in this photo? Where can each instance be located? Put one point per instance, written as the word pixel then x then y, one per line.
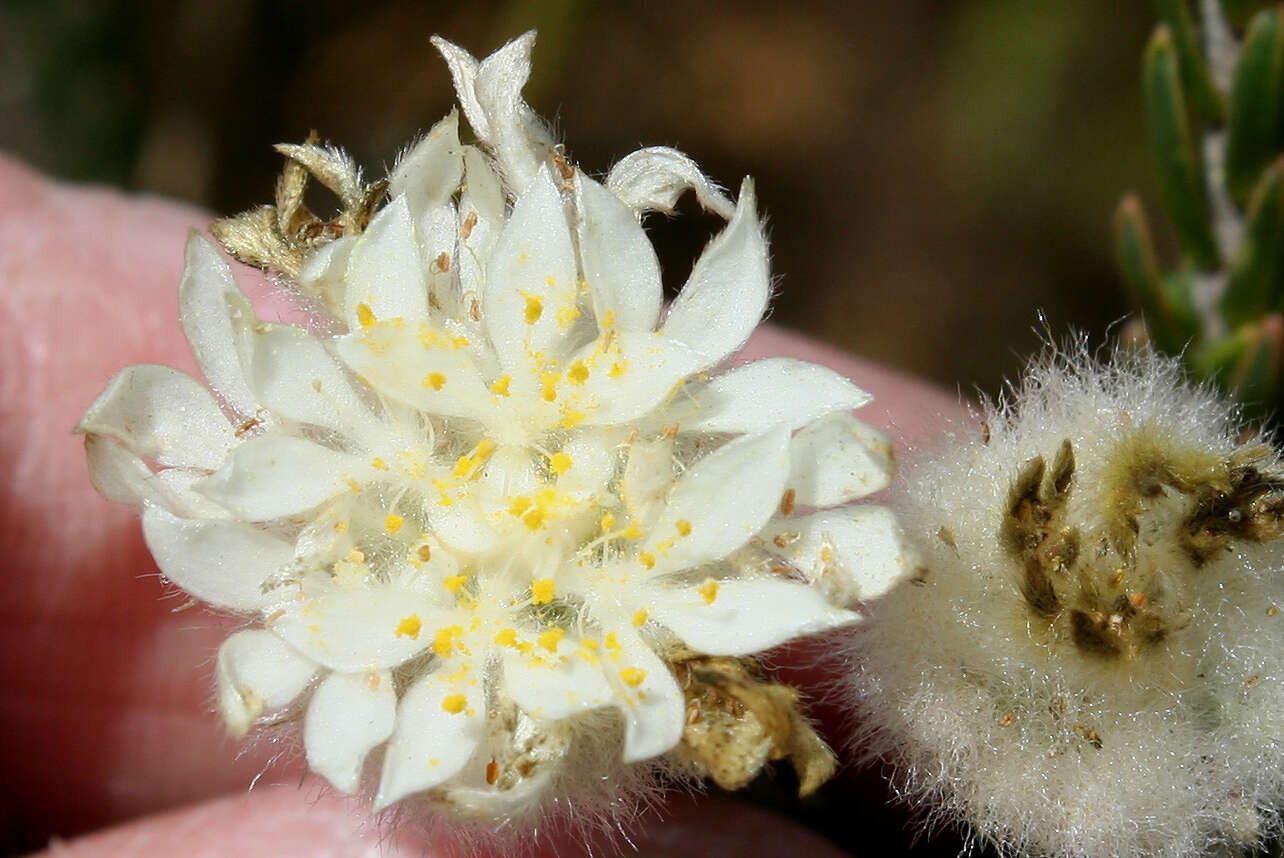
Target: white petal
pixel 440 378
pixel 428 175
pixel 461 525
pixel 593 460
pixel 354 626
pixel 225 563
pixel 216 318
pixel 275 476
pixel 294 376
pixel 516 136
pixel 726 294
pixel 161 414
pixel 722 501
pixel 756 396
pixel 654 709
pixel 325 271
pixel 463 70
pixel 431 742
pixel 653 179
pixel 348 715
pixel 838 458
pixel 852 554
pixel 637 373
pixel 384 273
pixel 481 218
pixel 619 263
pixel 648 474
pixel 257 673
pixel 744 616
pixel 555 686
pixel 122 477
pixel 532 265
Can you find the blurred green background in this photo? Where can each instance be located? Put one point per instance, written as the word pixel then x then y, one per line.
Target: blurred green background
pixel 935 173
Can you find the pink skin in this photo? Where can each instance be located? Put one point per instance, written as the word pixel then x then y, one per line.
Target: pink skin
pixel 106 704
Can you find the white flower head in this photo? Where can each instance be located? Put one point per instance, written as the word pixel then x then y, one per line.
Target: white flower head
pixel 1089 661
pixel 486 515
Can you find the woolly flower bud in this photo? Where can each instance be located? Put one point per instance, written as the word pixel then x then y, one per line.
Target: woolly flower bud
pixel 1088 661
pixel 501 527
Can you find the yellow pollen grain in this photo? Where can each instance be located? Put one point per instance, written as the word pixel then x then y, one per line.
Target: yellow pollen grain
pixel 459 342
pixel 633 531
pixel 684 527
pixel 365 316
pixel 607 522
pixel 393 522
pixel 341 526
pixel 639 617
pixel 500 385
pixel 608 319
pixel 571 419
pixel 567 315
pixel 664 546
pixel 632 676
pixel 542 591
pixel 506 637
pixel 443 642
pixel 484 448
pixel 551 638
pixel 560 463
pixel 354 486
pixel 463 465
pixel 617 369
pixel 534 519
pixel 455 583
pixel 611 641
pixel 435 380
pixel 454 703
pixel 550 280
pixel 378 464
pixel 579 372
pixel 647 559
pixel 548 383
pixel 519 505
pixel 409 627
pixel 589 643
pixel 534 309
pixel 357 556
pixel 709 590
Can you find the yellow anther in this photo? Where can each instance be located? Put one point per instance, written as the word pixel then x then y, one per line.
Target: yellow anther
pixel 341 526
pixel 647 559
pixel 454 703
pixel 633 531
pixel 506 637
pixel 534 309
pixel 578 373
pixel 617 369
pixel 534 519
pixel 567 315
pixel 519 505
pixel 463 465
pixel 551 638
pixel 484 448
pixel 709 590
pixel 378 464
pixel 354 486
pixel 500 385
pixel 608 319
pixel 365 316
pixel 560 463
pixel 455 583
pixel 393 522
pixel 357 556
pixel 435 380
pixel 571 419
pixel 684 527
pixel 588 643
pixel 548 384
pixel 443 642
pixel 409 627
pixel 607 522
pixel 542 591
pixel 632 676
pixel 459 342
pixel 664 546
pixel 639 617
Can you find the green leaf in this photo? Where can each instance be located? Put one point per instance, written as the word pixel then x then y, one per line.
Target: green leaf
pixel 1247 363
pixel 1196 82
pixel 1256 105
pixel 1240 12
pixel 1254 285
pixel 1181 175
pixel 1166 305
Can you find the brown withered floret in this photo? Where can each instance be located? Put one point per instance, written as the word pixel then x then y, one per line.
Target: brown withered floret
pixel 738 721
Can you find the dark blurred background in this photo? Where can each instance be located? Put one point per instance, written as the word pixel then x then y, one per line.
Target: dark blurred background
pixel 935 173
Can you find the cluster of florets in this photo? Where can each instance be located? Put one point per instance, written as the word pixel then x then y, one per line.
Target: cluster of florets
pixel 1087 661
pixel 496 503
